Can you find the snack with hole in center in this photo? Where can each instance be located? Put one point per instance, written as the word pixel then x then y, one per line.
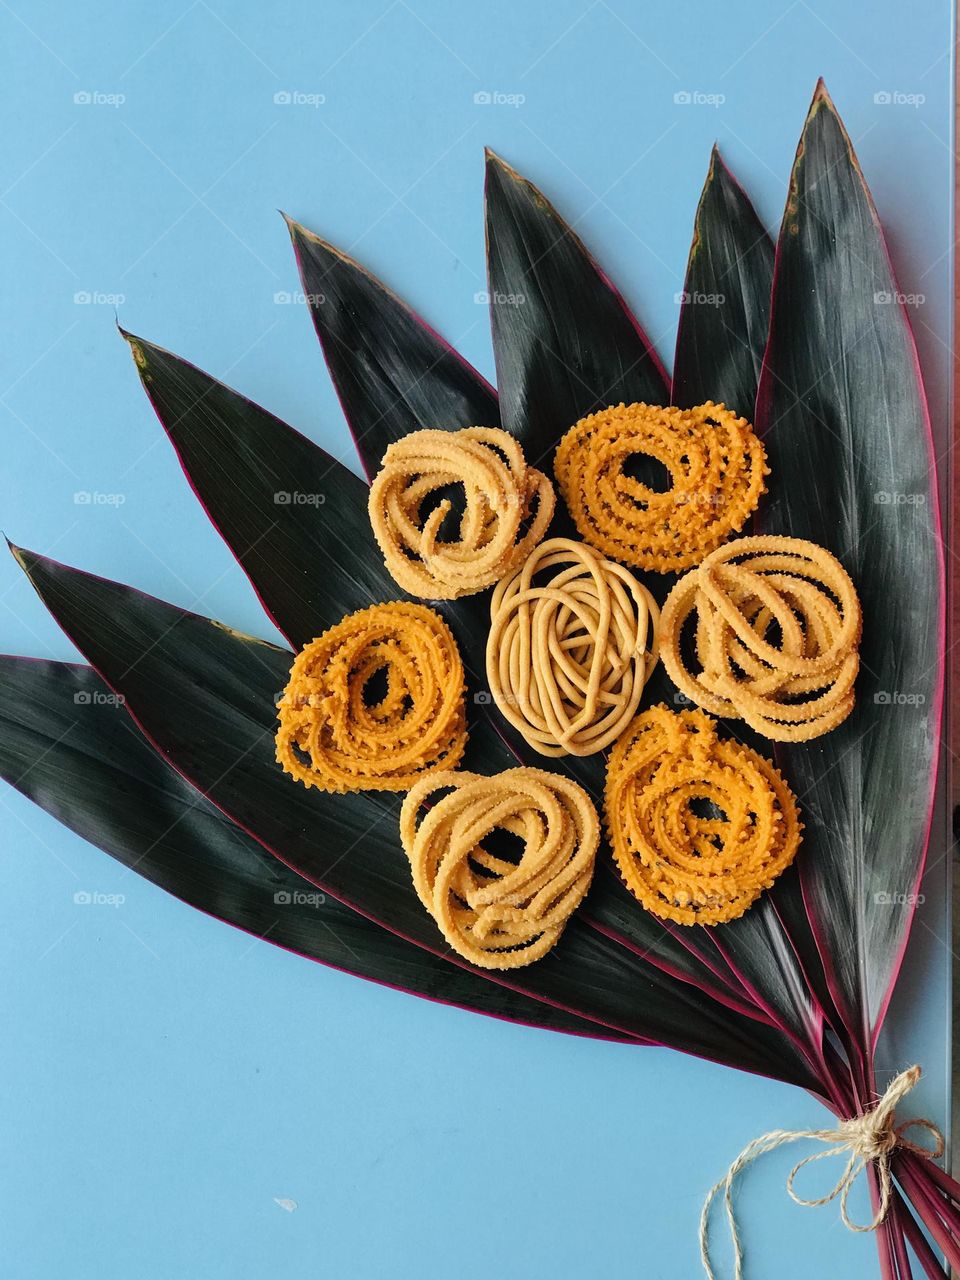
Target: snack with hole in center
pixel 699 825
pixel 568 656
pixel 336 734
pixel 496 910
pixel 775 632
pixel 716 466
pixel 507 507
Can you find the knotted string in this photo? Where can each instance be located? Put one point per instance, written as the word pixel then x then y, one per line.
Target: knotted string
pixel 870 1138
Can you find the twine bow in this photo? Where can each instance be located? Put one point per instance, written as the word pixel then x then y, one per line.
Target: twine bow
pixel 869 1138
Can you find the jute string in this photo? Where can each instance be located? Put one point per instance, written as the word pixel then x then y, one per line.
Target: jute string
pixel 870 1138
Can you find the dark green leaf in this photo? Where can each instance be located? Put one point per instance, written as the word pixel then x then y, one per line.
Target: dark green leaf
pixel 392 372
pixel 565 341
pixel 726 299
pixel 204 695
pixel 295 518
pixel 844 418
pixel 720 344
pixel 69 747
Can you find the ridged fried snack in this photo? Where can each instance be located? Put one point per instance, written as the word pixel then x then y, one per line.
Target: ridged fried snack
pixel 567 659
pixel 684 866
pixel 777 625
pixel 333 737
pixel 716 465
pixel 496 912
pixel 508 507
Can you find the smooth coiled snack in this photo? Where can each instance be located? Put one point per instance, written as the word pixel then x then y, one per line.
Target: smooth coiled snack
pixel 716 466
pixel 340 732
pixel 700 826
pixel 496 910
pixel 506 510
pixel 567 658
pixel 776 628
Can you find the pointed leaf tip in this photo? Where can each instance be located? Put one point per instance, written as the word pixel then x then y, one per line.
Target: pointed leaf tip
pixel 555 361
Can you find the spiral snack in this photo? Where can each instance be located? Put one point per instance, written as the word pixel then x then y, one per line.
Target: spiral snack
pixel 507 509
pixel 567 660
pixel 777 624
pixel 716 464
pixel 498 912
pixel 683 866
pixel 333 736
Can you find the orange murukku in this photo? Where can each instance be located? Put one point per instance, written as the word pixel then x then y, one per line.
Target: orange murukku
pixel 507 507
pixel 716 467
pixel 700 826
pixel 567 658
pixel 340 732
pixel 497 910
pixel 777 625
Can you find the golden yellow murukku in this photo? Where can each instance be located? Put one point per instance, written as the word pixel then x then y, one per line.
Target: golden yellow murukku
pixel 777 625
pixel 507 507
pixel 339 731
pixel 568 657
pixel 716 467
pixel 700 826
pixel 496 910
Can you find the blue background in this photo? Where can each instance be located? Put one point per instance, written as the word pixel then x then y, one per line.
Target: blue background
pixel 165 1079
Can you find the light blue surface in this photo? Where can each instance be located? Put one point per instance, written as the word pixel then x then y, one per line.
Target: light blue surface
pixel 164 1079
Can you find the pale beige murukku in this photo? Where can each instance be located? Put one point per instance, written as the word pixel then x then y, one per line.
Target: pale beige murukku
pixel 716 467
pixel 496 910
pixel 507 507
pixel 774 638
pixel 374 703
pixel 699 825
pixel 568 654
